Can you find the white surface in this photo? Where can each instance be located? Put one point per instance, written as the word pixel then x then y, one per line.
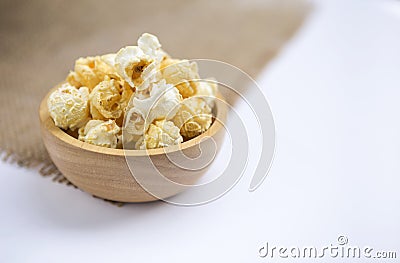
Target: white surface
pixel 334 92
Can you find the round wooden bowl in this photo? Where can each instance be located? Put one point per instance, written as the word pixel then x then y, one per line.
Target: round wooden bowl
pixel 104 172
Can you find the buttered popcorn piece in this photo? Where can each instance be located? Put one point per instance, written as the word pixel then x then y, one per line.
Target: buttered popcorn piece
pixel 163 103
pixel 150 75
pixel 101 133
pixel 137 64
pixel 109 59
pixel 126 95
pixel 134 122
pixel 207 90
pixel 180 73
pixel 130 62
pixel 194 117
pixel 151 47
pixel 90 71
pixel 160 134
pixel 108 99
pixel 68 106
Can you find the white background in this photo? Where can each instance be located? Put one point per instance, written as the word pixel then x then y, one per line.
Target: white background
pixel 335 94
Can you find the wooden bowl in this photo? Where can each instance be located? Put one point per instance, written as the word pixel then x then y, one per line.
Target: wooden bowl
pixel 104 172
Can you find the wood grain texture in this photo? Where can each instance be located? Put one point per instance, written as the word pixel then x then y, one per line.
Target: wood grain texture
pixel 104 172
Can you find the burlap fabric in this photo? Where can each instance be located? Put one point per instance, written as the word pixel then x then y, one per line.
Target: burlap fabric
pixel 39 41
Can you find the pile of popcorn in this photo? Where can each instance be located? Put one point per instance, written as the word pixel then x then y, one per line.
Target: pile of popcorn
pixel 159 98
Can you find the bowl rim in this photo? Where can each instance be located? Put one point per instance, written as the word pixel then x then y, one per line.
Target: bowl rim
pixel 48 123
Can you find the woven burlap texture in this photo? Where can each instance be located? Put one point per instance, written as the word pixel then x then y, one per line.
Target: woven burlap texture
pixel 40 40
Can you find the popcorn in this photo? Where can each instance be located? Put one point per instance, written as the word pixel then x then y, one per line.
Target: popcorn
pixel 126 95
pixel 106 100
pixel 90 71
pixel 137 64
pixel 109 59
pixel 163 103
pixel 151 74
pixel 160 134
pixel 101 133
pixel 130 62
pixel 68 106
pixel 193 118
pixel 180 73
pixel 127 141
pixel 74 79
pixel 151 47
pixel 207 90
pixel 156 100
pixel 134 122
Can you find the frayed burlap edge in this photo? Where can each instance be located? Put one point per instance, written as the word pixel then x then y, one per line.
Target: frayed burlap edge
pixel 46 169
